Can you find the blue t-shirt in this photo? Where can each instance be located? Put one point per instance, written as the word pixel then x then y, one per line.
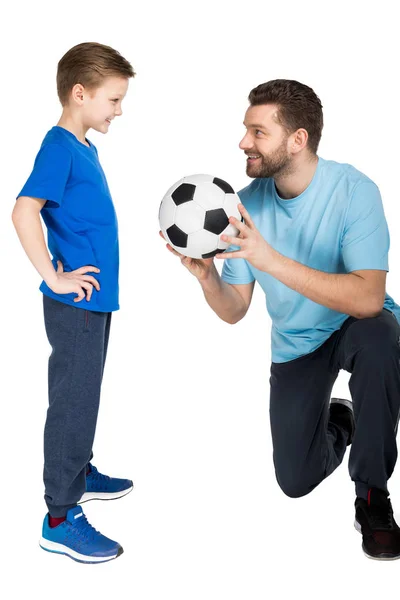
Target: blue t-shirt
pixel 336 225
pixel 79 214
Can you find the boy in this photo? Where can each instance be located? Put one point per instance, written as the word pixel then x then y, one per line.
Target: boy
pixel 80 290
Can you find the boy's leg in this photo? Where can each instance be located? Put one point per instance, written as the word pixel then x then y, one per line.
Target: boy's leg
pixel 370 351
pixel 106 338
pixel 307 445
pixel 78 339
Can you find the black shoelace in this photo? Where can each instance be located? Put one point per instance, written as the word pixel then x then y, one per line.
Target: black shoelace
pixel 381 517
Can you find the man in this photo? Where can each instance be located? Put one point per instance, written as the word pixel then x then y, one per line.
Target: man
pixel 315 238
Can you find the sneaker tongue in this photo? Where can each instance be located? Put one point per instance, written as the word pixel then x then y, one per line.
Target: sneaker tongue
pixel 74 513
pixel 377 497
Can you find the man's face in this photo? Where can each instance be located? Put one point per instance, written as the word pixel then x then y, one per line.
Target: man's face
pixel 265 142
pixel 103 104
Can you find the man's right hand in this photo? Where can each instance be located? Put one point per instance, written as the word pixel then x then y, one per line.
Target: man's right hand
pixel 199 267
pixel 75 282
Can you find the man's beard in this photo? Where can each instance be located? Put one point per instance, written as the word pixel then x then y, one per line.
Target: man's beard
pixel 279 163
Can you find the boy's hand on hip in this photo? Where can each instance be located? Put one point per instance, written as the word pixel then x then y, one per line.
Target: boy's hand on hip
pixel 77 282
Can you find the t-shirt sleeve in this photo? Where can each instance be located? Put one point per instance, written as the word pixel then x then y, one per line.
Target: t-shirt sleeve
pixel 236 270
pixel 49 175
pixel 365 240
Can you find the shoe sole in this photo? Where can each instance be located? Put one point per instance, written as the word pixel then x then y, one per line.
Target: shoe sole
pixel 382 557
pixel 56 548
pixel 87 496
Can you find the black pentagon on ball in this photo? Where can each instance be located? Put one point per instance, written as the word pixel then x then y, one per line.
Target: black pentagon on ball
pixel 225 187
pixel 183 193
pixel 177 236
pixel 213 253
pixel 216 220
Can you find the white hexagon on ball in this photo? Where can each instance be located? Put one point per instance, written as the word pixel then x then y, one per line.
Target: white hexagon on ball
pixel 189 217
pixel 167 212
pixel 209 196
pixel 232 231
pixel 201 242
pixel 230 206
pixel 197 179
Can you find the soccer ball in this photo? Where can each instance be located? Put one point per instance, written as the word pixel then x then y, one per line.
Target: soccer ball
pixel 194 214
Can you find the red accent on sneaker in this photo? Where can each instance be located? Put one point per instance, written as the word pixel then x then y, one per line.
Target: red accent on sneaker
pixel 54 521
pixel 369 498
pixel 88 469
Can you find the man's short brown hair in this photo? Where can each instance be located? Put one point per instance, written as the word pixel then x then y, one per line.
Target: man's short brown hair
pixel 298 107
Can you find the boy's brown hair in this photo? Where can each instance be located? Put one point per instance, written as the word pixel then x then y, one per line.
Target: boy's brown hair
pixel 298 107
pixel 89 64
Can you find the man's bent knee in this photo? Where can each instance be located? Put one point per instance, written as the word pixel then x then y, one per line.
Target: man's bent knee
pixel 295 488
pixel 375 336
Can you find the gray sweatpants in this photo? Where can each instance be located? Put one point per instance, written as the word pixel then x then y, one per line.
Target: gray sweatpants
pixel 307 445
pixel 79 340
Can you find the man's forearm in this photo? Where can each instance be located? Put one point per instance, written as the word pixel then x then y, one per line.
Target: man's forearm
pixel 346 293
pixel 225 301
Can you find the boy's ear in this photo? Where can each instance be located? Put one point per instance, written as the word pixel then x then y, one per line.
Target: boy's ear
pixel 77 93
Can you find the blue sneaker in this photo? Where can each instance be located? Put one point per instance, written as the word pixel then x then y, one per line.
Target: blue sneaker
pixel 77 539
pixel 103 487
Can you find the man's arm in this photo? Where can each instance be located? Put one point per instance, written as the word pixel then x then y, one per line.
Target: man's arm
pixel 359 293
pixel 229 302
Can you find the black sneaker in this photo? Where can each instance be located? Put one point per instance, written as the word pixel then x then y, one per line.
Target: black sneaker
pixel 374 519
pixel 341 413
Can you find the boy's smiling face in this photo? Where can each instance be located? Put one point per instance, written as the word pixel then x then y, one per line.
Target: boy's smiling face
pixel 100 106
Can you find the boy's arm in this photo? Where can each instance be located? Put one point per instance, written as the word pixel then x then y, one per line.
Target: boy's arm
pixel 26 219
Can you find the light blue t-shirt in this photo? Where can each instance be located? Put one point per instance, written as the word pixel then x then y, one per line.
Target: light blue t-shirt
pixel 336 225
pixel 79 215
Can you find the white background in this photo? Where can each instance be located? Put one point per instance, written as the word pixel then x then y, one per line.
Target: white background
pixel 184 409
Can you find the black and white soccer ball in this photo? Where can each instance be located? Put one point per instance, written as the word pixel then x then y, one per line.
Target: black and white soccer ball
pixel 194 214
